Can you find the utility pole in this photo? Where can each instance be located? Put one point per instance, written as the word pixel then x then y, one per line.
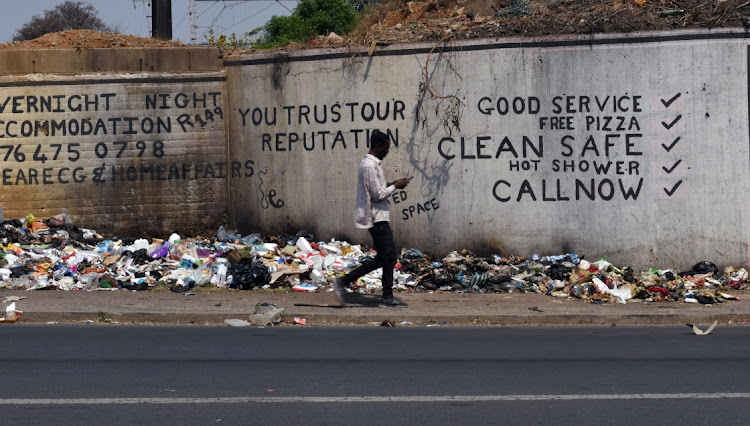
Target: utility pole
pixel 161 19
pixel 193 10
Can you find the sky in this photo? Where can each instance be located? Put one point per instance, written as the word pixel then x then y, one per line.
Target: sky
pixel 134 16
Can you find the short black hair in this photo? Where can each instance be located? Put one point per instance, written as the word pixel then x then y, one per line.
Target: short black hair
pixel 378 138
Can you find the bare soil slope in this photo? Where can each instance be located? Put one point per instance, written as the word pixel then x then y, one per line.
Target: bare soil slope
pixel 87 39
pixel 399 21
pixel 402 21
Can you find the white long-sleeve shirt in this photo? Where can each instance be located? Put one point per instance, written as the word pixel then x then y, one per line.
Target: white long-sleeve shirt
pixel 372 194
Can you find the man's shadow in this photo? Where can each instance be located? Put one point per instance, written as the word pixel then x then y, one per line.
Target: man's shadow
pixel 359 300
pixel 351 300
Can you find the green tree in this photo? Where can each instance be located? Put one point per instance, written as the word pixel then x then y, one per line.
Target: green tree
pixel 311 18
pixel 327 16
pixel 69 15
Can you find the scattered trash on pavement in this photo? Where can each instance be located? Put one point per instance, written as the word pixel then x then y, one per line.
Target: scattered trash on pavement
pixel 304 287
pixel 10 314
pixel 700 332
pixel 266 314
pixel 234 322
pixel 54 253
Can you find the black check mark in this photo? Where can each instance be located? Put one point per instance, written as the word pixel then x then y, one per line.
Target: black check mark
pixel 671 169
pixel 669 102
pixel 669 126
pixel 674 188
pixel 669 148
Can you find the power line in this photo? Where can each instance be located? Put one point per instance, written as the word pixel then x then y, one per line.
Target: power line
pixel 248 17
pixel 194 15
pixel 146 8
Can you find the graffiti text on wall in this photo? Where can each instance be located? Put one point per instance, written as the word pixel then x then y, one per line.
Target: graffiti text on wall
pixel 98 129
pixel 356 118
pixel 408 211
pixel 206 108
pixel 586 148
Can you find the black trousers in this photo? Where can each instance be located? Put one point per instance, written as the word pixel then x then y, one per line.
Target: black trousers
pixel 382 237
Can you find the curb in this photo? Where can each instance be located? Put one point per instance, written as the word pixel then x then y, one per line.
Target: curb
pixel 207 319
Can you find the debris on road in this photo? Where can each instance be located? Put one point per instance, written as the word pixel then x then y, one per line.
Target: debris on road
pixel 234 322
pixel 700 332
pixel 10 314
pixel 266 314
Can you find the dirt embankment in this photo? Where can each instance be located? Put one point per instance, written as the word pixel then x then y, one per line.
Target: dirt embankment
pixel 398 21
pixel 401 21
pixel 87 39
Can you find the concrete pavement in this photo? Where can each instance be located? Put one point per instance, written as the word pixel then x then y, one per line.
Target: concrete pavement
pixel 212 307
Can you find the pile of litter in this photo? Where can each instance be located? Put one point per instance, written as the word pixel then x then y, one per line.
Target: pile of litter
pixel 569 276
pixel 53 253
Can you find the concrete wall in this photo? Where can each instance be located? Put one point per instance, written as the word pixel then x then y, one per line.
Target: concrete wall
pixel 128 141
pixel 634 147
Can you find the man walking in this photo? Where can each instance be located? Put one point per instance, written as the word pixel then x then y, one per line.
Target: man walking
pixel 373 215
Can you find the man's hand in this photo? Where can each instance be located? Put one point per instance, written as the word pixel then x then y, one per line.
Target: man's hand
pixel 401 183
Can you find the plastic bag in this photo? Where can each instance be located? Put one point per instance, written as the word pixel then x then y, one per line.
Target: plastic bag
pixel 266 314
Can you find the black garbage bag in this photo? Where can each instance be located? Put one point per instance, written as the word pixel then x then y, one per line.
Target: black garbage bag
pixel 705 267
pixel 558 271
pixel 305 234
pixel 19 271
pixel 701 268
pixel 705 300
pixel 498 279
pixel 140 257
pixel 441 279
pixel 246 276
pixel 140 286
pixel 627 274
pixel 282 239
pixel 181 288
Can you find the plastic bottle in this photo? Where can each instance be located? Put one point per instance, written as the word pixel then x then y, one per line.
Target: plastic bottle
pixel 104 246
pixel 220 278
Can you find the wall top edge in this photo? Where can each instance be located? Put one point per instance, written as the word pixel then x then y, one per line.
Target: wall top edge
pixel 109 78
pixel 201 49
pixel 110 60
pixel 258 58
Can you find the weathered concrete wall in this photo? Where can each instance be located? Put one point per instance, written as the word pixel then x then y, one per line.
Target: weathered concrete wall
pixel 67 61
pixel 630 147
pixel 128 141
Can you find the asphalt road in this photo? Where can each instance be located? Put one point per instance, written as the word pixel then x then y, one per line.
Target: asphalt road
pixel 219 375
